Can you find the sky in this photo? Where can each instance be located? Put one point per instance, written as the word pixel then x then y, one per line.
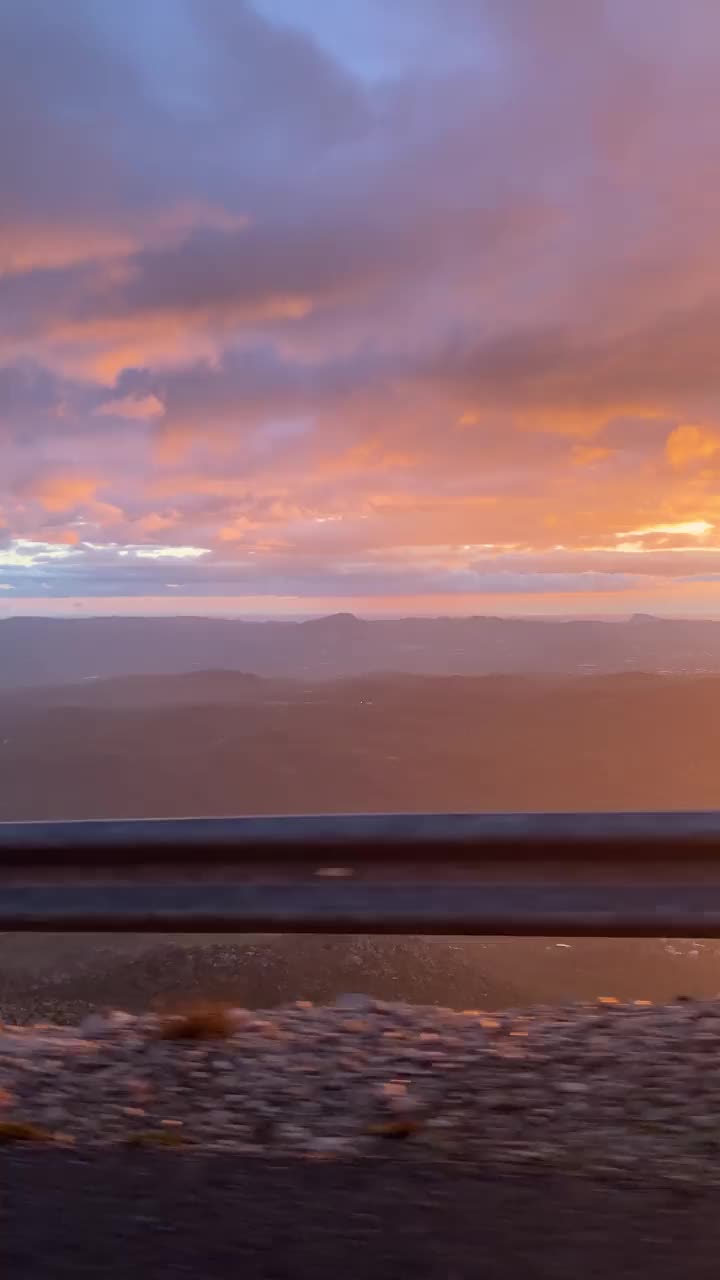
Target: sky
pixel 407 307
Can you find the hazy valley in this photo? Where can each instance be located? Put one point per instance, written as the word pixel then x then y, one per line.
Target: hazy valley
pixel 224 743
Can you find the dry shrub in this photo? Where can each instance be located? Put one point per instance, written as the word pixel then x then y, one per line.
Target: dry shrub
pixel 156 1138
pixel 21 1131
pixel 396 1129
pixel 199 1022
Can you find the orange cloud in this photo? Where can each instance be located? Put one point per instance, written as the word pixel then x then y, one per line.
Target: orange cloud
pixel 101 346
pixel 47 246
pixel 688 443
pixel 155 522
pixel 58 493
pixel 584 455
pixel 370 455
pixel 56 537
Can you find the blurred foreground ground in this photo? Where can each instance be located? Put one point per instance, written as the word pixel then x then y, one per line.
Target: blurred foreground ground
pixel 368 1139
pixel 154 1215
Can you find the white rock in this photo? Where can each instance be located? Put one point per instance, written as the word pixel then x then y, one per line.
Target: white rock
pixel 238 1018
pixel 328 1145
pixel 354 1000
pixel 97 1025
pixel 406 1106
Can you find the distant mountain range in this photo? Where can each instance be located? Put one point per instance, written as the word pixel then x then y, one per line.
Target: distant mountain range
pixel 50 650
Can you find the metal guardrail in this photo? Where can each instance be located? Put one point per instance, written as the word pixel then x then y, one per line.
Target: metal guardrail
pixel 622 874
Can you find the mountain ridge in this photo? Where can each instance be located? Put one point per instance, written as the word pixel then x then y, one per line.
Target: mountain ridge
pixel 45 651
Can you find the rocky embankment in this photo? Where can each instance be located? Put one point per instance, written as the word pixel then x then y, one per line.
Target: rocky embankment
pixel 622 1091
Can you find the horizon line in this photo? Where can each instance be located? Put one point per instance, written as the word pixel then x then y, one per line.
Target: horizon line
pixel 76 614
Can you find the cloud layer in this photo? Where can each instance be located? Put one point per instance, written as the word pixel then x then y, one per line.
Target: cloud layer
pixel 411 303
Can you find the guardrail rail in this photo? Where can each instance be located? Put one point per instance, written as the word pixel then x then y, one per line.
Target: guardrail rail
pixel 601 874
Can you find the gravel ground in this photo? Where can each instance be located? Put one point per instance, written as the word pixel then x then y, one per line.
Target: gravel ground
pixel 628 1093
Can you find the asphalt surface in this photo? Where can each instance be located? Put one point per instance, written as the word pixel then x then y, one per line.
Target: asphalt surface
pixel 143 1215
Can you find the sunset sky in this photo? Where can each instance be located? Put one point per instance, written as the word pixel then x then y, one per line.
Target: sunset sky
pixel 399 306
